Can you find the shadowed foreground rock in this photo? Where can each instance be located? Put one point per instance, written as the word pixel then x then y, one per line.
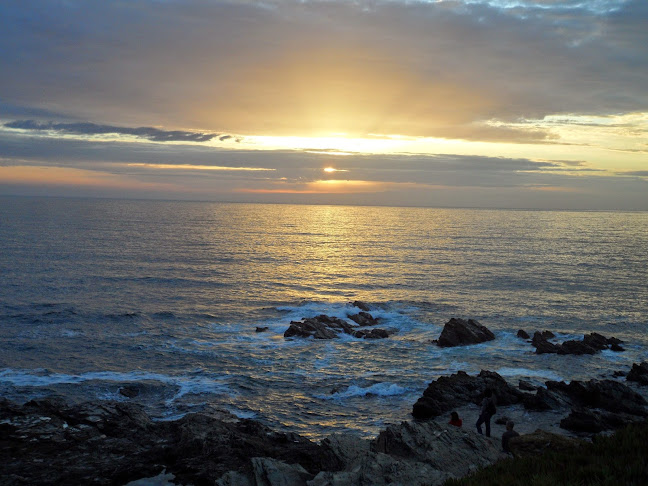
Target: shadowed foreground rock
pixel 459 332
pixel 540 441
pixel 48 442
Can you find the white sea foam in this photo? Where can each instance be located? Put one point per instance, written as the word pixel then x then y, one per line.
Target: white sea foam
pixel 187 384
pixel 378 389
pixel 242 414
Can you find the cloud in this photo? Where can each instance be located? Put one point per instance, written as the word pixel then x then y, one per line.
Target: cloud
pixel 437 69
pixel 640 173
pixel 148 133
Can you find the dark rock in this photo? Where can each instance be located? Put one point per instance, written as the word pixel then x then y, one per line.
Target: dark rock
pixel 459 332
pixel 129 391
pixel 548 334
pixel 320 327
pixel 618 374
pixel 325 327
pixel 608 395
pixel 544 400
pixel 526 386
pixel 523 334
pixel 575 347
pixel 373 333
pixel 107 443
pixel 542 345
pixel 639 373
pixel 450 392
pixel 502 420
pixel 446 448
pixel 535 444
pixel 360 305
pixel 112 443
pixel 596 341
pixel 364 319
pixel 593 422
pixel 261 329
pixel 590 344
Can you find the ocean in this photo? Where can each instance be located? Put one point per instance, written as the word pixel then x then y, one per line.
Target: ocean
pixel 166 296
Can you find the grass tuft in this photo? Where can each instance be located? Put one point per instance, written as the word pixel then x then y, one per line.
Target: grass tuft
pixel 620 459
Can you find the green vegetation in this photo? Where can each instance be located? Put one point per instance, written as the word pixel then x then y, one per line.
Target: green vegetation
pixel 618 460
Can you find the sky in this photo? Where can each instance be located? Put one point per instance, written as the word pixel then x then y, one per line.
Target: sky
pixel 447 103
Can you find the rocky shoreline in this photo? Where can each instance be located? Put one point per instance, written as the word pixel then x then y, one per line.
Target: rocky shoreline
pixel 48 441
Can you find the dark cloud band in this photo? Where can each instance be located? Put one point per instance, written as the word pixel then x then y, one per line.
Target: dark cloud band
pixel 149 133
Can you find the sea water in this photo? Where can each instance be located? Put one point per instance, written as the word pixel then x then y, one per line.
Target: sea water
pixel 167 296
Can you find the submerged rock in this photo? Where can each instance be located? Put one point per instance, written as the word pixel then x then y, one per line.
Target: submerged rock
pixel 459 332
pixel 129 391
pixel 373 333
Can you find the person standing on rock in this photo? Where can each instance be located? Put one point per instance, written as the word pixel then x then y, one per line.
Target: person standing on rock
pixel 488 409
pixel 508 435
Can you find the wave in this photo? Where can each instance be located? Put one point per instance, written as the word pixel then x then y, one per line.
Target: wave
pixel 377 389
pixel 195 383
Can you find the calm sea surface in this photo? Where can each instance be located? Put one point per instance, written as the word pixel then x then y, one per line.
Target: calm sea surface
pixel 96 294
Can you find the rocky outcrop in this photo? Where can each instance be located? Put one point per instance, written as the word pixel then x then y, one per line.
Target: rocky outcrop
pixel 459 332
pixel 360 305
pixel 596 404
pixel 115 443
pixel 639 373
pixel 320 327
pixel 592 421
pixel 445 448
pixel 608 395
pixel 540 441
pixel 522 334
pixel 364 319
pixel 326 327
pixel 415 454
pixel 542 344
pixel 590 344
pixel 450 392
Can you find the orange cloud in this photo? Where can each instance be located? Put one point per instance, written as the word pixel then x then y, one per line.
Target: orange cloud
pixel 63 176
pixel 323 187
